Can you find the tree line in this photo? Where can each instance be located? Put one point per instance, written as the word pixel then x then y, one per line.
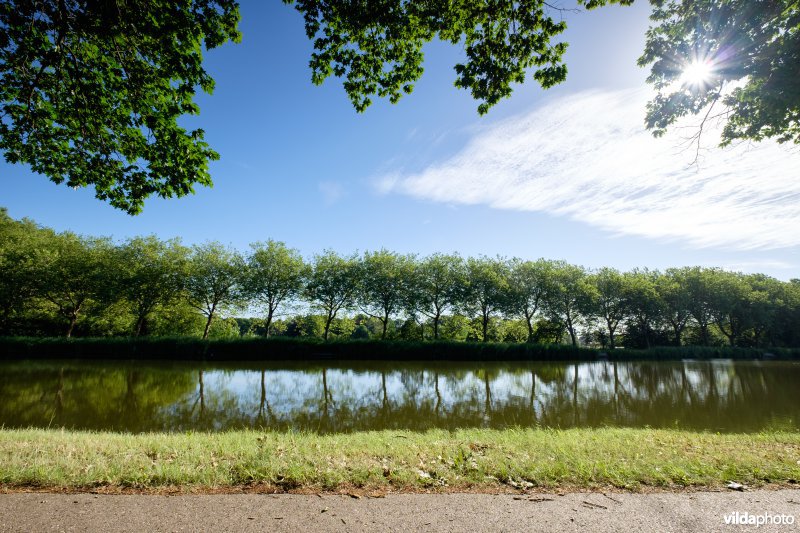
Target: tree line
pixel 65 284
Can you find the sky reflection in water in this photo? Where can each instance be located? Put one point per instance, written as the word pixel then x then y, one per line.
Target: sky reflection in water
pixel 716 396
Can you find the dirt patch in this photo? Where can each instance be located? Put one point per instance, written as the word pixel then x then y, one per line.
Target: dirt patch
pixel 375 492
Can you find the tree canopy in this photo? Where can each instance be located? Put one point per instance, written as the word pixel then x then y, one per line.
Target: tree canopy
pixel 333 284
pixel 91 92
pixel 214 280
pixel 376 47
pixel 150 273
pixel 746 61
pixel 274 274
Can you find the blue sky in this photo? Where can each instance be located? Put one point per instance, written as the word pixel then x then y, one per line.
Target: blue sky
pixel 565 173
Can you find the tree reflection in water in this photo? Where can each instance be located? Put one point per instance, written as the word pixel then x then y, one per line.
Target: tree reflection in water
pixel 715 396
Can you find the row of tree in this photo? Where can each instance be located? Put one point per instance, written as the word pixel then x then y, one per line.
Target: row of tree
pixel 85 285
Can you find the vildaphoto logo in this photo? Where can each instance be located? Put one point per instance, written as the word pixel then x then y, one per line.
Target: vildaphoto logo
pixel 757 520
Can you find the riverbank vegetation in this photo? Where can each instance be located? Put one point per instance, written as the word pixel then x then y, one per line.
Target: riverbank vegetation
pixel 62 284
pixel 475 459
pixel 299 349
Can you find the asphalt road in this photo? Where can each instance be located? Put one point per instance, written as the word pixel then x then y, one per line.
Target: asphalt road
pixel 584 512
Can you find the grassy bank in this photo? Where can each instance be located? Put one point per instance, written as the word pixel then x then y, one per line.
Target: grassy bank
pixel 396 460
pixel 281 349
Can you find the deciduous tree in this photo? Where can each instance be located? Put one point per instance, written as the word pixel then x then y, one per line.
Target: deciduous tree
pixel 568 296
pixel 744 56
pixel 768 300
pixel 485 289
pixel 609 300
pixel 377 47
pixel 333 285
pixel 644 305
pixel 527 285
pixel 699 286
pixel 213 280
pixel 385 285
pixel 77 272
pixel 91 92
pixel 730 306
pixel 435 284
pixel 672 291
pixel 24 247
pixel 275 274
pixel 150 273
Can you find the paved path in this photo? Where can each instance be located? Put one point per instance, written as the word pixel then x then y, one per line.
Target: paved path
pixel 584 512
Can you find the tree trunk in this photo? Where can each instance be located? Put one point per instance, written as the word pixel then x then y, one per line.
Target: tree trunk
pixel 384 323
pixel 757 332
pixel 616 391
pixel 208 325
pixel 385 393
pixel 677 329
pixel 488 394
pixel 736 331
pixel 263 395
pixel 571 331
pixel 704 334
pixel 485 324
pixel 201 385
pixel 325 387
pixel 269 318
pixel 530 327
pixel 436 326
pixel 731 336
pixel 438 394
pixel 533 388
pixel 328 326
pixel 72 321
pixel 575 395
pixel 611 334
pixel 712 385
pixel 139 326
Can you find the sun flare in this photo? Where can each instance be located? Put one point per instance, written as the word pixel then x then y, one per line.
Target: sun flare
pixel 697 73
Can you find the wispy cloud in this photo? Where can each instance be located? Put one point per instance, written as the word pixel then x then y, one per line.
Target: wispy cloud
pixel 331 191
pixel 589 158
pixel 755 266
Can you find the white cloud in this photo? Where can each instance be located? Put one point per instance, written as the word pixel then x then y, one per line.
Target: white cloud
pixel 331 191
pixel 589 158
pixel 755 266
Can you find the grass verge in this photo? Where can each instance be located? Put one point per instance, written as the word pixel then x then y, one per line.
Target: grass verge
pixel 472 459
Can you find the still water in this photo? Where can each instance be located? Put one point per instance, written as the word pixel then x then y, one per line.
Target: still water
pixel 718 395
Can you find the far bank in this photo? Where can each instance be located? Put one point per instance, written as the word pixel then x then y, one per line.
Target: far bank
pixel 277 349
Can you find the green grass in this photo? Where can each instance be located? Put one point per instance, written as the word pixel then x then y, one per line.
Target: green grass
pixel 473 459
pixel 283 348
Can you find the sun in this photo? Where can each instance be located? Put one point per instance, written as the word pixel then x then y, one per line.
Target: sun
pixel 697 73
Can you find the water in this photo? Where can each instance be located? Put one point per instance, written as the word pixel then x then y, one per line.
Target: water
pixel 718 395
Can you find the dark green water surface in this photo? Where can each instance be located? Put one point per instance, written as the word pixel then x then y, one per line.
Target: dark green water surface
pixel 720 395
